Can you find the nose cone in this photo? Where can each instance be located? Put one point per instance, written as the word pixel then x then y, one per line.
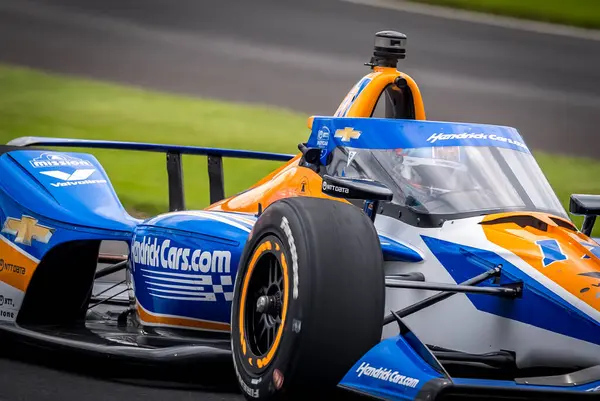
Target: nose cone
pixel 554 247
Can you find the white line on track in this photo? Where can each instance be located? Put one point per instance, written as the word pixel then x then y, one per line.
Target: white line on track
pixel 482 18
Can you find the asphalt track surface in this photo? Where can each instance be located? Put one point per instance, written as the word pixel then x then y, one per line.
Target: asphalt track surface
pixel 303 55
pixel 306 54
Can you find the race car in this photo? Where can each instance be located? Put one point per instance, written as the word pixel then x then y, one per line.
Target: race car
pixel 393 257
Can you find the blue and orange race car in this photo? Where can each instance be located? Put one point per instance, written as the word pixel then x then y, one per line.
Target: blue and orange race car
pixel 392 257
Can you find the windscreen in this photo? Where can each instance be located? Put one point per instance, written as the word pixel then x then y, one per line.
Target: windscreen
pixel 452 179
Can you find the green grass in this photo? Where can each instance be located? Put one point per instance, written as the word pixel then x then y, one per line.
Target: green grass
pixel 38 104
pixel 571 175
pixel 582 13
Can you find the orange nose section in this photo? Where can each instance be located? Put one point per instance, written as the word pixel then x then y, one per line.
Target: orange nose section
pixel 16 269
pixel 554 247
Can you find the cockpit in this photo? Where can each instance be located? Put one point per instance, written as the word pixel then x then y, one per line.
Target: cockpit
pixel 435 168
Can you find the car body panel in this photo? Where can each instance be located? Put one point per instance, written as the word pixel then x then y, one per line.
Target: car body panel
pixel 292 180
pixel 362 98
pixel 68 187
pixel 182 264
pixel 559 252
pixel 533 326
pixel 392 370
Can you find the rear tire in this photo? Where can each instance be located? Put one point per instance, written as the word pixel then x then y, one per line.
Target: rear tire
pixel 318 266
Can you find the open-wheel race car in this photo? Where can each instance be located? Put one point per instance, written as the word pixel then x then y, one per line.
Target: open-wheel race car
pixel 392 257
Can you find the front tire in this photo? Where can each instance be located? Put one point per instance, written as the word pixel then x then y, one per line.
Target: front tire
pixel 309 298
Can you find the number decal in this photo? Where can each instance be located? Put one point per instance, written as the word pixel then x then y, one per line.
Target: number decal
pixel 593 248
pixel 551 251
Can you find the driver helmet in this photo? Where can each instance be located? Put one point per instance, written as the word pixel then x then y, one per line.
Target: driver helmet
pixel 431 171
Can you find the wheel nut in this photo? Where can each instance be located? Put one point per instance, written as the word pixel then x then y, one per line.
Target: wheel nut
pixel 262 304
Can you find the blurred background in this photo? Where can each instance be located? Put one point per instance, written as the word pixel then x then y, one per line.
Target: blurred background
pixel 247 74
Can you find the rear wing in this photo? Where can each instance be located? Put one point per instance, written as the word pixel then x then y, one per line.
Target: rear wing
pixel 174 168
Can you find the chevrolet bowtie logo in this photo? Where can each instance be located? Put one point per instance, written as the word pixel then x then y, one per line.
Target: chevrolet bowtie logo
pixel 27 229
pixel 347 133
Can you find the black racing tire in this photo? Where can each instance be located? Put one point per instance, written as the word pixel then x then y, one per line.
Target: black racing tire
pixel 319 264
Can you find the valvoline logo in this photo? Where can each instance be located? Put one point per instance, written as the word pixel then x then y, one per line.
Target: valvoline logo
pixel 66 169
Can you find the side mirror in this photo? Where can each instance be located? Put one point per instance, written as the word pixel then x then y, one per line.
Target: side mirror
pixel 312 156
pixel 587 205
pixel 350 188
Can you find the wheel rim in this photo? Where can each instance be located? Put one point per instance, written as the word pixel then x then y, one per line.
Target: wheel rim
pixel 263 304
pixel 267 275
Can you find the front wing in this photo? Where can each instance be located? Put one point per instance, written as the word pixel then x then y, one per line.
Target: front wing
pixel 403 368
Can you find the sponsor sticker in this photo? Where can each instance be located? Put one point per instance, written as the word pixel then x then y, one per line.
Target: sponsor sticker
pixel 305 186
pixel 154 253
pixel 5 301
pixel 387 375
pixel 351 155
pixel 335 188
pixel 277 379
pixel 285 226
pixel 252 392
pixel 166 257
pixel 8 267
pixel 296 326
pixel 26 229
pixel 481 136
pixel 352 96
pixel 78 177
pixel 58 160
pixel 323 137
pixel 347 133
